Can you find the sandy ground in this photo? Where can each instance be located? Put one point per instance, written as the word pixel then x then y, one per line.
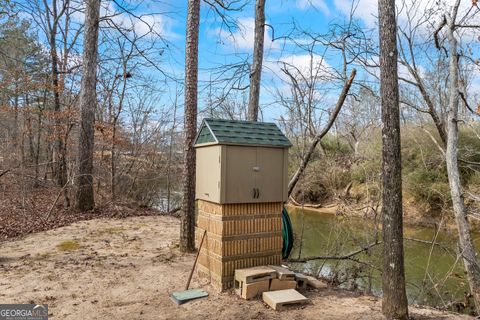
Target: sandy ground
pixel 126 269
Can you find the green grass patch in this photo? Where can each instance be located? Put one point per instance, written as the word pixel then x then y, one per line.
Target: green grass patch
pixel 68 245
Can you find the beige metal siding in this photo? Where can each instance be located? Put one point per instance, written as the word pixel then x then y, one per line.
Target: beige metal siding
pixel 208 173
pixel 223 174
pixel 240 177
pixel 229 174
pixel 270 177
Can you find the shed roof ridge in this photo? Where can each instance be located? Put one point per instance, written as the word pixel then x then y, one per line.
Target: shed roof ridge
pixel 225 131
pixel 237 121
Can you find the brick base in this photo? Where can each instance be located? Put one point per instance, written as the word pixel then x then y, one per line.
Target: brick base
pixel 238 236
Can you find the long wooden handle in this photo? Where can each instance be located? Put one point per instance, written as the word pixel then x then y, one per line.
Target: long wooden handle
pixel 195 262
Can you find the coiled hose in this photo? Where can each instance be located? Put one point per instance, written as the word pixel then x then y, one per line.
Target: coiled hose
pixel 287 234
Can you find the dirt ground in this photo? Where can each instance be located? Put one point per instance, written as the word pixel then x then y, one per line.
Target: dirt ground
pixel 126 269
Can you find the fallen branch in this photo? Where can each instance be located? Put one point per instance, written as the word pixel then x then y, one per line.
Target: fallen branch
pixel 318 137
pixel 472 196
pixel 439 244
pixel 49 213
pixel 348 256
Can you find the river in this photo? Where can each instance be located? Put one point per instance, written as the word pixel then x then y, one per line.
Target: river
pixel 434 276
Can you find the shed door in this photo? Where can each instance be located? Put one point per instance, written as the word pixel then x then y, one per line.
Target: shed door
pixel 208 173
pixel 240 180
pixel 269 179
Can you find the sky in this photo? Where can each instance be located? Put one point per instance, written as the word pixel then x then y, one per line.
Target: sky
pixel 225 45
pixel 220 46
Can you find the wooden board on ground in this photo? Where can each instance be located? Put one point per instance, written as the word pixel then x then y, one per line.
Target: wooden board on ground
pixel 254 274
pixel 283 273
pixel 277 299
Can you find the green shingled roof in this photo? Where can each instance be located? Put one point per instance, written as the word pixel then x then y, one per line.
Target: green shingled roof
pixel 220 131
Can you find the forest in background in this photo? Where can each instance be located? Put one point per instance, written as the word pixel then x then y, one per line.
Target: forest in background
pixel 143 118
pixel 138 132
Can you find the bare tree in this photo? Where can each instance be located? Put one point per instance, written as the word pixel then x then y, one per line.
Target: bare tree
pixel 51 20
pixel 187 231
pixel 84 196
pixel 441 91
pixel 318 137
pixel 256 72
pixel 394 303
pixel 467 250
pixel 360 115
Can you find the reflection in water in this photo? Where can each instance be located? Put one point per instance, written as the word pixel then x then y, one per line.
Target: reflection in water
pixel 434 274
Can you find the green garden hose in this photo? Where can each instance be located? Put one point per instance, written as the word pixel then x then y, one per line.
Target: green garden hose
pixel 287 234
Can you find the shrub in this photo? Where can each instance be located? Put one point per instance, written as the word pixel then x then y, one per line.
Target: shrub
pixel 429 187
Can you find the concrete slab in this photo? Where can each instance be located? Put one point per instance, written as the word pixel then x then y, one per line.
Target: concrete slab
pixel 252 290
pixel 277 284
pixel 278 299
pixel 301 281
pixel 283 273
pixel 316 283
pixel 250 275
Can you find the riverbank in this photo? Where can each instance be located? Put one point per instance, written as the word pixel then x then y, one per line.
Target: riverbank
pixel 412 216
pixel 126 268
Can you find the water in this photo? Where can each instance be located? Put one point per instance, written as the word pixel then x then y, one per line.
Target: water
pixel 434 276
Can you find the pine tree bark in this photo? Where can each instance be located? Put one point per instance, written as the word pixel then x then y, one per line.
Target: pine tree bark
pixel 187 231
pixel 394 303
pixel 88 100
pixel 256 72
pixel 465 243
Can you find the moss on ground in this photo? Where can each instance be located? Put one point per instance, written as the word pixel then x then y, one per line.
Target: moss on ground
pixel 68 245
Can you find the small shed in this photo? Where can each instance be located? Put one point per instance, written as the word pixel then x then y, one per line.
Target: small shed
pixel 241 162
pixel 241 188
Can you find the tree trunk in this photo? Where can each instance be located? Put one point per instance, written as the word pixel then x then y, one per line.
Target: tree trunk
pixel 37 149
pixel 116 116
pixel 28 119
pixel 318 137
pixel 15 122
pixel 187 232
pixel 113 172
pixel 256 72
pixel 84 196
pixel 170 152
pixel 394 303
pixel 467 250
pixel 59 166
